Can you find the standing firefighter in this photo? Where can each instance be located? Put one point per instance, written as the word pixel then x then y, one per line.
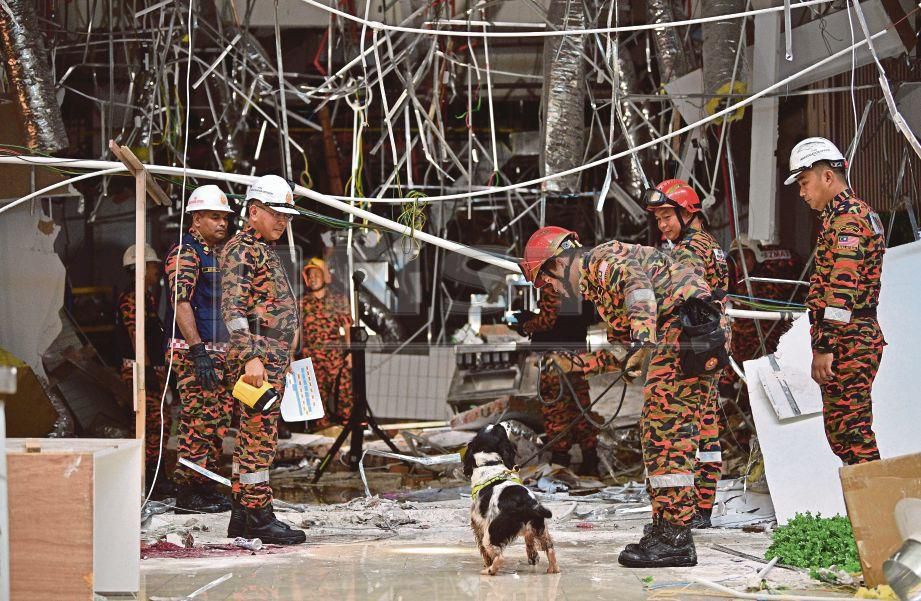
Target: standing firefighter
pixel 847 343
pixel 260 309
pixel 678 215
pixel 326 322
pixel 198 349
pixel 560 325
pixel 157 424
pixel 670 316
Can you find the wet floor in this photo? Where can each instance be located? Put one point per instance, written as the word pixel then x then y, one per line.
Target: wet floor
pixel 399 571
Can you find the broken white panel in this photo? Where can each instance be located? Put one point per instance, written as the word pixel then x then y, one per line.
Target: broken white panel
pixel 801 470
pixel 787 375
pixel 812 42
pixel 33 284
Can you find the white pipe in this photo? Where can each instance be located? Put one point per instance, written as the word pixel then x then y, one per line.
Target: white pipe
pixel 761 596
pixel 763 315
pixel 549 33
pixel 61 184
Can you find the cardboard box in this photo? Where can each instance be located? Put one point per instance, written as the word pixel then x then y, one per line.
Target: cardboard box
pixel 871 491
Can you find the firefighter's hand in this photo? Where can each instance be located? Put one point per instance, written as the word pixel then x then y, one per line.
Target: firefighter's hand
pixel 254 372
pixel 821 367
pixel 564 362
pixel 633 367
pixel 204 367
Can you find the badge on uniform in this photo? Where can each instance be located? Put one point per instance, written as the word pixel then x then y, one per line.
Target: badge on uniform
pixel 877 224
pixel 848 242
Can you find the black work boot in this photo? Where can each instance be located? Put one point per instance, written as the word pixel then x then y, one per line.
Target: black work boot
pixel 237 524
pixel 216 498
pixel 261 523
pixel 193 498
pixel 649 530
pixel 669 546
pixel 701 519
pixel 589 465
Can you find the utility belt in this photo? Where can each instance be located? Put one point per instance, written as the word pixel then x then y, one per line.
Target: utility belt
pixel 840 315
pixel 702 342
pixel 258 328
pixel 214 347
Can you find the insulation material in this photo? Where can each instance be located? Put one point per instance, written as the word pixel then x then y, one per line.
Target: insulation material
pixel 33 284
pixel 670 54
pixel 563 97
pixel 631 178
pixel 724 68
pixel 30 77
pixel 801 470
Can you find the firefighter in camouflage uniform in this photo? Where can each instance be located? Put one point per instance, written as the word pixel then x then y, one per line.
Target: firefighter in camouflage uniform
pixel 155 421
pixel 560 325
pixel 648 289
pixel 259 308
pixel 198 350
pixel 326 320
pixel 678 214
pixel 847 342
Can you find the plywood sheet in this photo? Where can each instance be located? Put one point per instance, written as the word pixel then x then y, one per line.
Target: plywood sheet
pixel 51 525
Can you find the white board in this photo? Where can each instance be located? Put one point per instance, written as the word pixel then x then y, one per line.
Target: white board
pixel 801 470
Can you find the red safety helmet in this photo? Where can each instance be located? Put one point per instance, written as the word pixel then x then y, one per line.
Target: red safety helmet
pixel 543 245
pixel 674 193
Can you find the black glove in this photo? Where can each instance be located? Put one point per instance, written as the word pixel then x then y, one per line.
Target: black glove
pixel 521 318
pixel 204 367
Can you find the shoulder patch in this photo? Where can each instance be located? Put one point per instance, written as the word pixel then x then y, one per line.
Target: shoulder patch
pixel 718 254
pixel 876 224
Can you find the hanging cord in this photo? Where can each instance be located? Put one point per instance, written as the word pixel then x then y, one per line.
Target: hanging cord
pixel 413 217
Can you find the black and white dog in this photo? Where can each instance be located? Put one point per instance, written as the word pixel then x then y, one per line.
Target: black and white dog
pixel 502 509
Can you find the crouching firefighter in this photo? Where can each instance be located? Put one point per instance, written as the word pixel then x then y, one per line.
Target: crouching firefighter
pixel 672 321
pixel 679 216
pixel 198 349
pixel 260 309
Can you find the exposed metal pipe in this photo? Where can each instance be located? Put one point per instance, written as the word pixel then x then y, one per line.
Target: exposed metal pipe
pixel 563 124
pixel 30 77
pixel 724 71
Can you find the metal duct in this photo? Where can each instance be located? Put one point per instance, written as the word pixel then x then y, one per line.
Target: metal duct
pixel 30 77
pixel 721 45
pixel 670 55
pixel 563 141
pixel 630 177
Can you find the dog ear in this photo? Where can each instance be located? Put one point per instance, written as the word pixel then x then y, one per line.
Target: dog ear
pixel 469 460
pixel 508 453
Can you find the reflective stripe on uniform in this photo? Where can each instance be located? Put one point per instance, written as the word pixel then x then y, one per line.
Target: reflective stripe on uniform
pixel 238 324
pixel 836 314
pixel 643 294
pixel 671 480
pixel 255 477
pixel 709 456
pixel 214 347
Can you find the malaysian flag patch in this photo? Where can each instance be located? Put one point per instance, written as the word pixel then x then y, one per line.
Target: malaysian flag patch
pixel 848 241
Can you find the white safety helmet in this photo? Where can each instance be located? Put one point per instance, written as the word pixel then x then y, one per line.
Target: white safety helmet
pixel 208 198
pixel 150 256
pixel 274 192
pixel 809 152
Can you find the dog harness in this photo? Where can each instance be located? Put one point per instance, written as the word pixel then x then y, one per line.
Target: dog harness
pixel 492 474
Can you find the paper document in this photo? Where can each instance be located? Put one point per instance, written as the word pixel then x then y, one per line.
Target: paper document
pixel 301 401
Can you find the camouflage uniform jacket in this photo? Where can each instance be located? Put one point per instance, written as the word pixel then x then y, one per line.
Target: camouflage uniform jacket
pixel 126 326
pixel 707 251
pixel 848 266
pixel 325 321
pixel 256 295
pixel 638 286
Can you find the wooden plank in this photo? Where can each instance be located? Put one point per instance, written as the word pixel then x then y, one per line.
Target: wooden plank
pixel 51 525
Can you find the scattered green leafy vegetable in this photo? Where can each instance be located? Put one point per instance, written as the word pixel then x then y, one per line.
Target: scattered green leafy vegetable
pixel 813 542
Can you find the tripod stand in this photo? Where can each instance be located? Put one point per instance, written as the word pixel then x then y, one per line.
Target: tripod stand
pixel 361 415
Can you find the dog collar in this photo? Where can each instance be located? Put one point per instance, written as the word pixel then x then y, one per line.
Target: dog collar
pixel 503 476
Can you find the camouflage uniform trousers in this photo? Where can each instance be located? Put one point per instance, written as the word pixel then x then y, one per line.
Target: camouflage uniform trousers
pixel 847 406
pixel 334 379
pixel 709 450
pixel 153 394
pixel 204 417
pixel 257 437
pixel 669 429
pixel 559 414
